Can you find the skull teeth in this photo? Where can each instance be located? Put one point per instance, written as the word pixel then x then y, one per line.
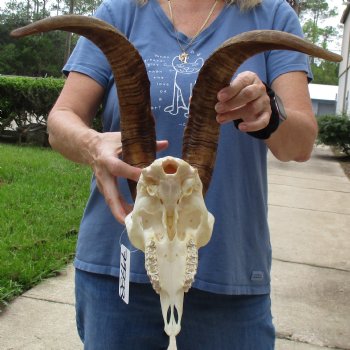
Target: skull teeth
pixel 152 268
pixel 151 264
pixel 191 264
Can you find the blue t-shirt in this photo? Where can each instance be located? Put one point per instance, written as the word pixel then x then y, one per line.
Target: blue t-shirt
pixel 237 259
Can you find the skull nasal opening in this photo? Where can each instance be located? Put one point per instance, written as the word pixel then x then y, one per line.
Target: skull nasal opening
pixel 170 167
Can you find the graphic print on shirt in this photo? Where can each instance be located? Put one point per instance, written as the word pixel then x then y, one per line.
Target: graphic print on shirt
pixel 182 88
pixel 172 82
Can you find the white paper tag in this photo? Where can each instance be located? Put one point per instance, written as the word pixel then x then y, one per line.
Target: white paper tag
pixel 124 274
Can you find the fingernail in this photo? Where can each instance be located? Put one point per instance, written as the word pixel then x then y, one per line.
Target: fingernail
pixel 242 127
pixel 219 119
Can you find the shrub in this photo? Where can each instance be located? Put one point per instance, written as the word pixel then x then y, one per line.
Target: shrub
pixel 25 103
pixel 335 131
pixel 24 106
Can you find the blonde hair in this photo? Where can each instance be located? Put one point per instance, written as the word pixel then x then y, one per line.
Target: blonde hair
pixel 243 4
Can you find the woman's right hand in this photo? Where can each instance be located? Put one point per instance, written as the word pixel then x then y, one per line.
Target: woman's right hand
pixel 70 133
pixel 108 167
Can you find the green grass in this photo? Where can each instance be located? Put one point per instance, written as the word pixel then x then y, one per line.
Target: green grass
pixel 42 198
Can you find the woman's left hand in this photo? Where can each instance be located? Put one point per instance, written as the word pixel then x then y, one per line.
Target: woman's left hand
pixel 245 98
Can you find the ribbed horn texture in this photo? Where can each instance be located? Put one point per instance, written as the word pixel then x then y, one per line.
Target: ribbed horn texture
pixel 202 130
pixel 137 122
pixel 130 75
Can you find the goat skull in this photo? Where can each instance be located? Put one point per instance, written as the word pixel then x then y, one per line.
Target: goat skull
pixel 170 223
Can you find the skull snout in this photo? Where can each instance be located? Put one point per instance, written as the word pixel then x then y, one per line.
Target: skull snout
pixel 171 304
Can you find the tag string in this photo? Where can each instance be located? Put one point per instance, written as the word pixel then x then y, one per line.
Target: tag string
pixel 120 242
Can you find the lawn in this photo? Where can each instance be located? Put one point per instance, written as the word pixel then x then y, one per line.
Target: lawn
pixel 42 198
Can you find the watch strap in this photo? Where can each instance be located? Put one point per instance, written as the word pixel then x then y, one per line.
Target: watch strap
pixel 277 116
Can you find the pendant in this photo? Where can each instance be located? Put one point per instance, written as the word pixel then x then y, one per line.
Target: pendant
pixel 183 57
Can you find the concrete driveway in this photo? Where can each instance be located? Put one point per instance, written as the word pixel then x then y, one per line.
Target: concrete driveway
pixel 309 210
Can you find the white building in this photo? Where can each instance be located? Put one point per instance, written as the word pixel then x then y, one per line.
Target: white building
pixel 343 105
pixel 324 99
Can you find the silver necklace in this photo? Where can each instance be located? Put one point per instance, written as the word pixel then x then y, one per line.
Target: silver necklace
pixel 183 57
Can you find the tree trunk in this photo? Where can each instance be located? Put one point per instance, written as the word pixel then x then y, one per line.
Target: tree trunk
pixel 69 35
pixel 296 6
pixel 28 11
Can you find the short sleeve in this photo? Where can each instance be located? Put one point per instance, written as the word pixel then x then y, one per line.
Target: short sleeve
pixel 86 57
pixel 282 61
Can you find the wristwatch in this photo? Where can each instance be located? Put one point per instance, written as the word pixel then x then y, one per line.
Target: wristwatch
pixel 278 115
pixel 276 104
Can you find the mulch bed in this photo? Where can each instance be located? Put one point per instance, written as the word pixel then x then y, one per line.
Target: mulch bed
pixel 344 161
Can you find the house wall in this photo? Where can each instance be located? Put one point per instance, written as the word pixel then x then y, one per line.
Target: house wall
pixel 343 103
pixel 326 109
pixel 323 107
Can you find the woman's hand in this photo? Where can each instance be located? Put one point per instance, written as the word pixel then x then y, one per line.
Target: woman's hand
pixel 69 125
pixel 108 167
pixel 245 99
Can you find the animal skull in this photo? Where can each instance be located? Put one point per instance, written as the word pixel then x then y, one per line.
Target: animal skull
pixel 170 223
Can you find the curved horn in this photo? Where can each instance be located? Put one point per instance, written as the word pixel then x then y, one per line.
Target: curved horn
pixel 202 130
pixel 130 75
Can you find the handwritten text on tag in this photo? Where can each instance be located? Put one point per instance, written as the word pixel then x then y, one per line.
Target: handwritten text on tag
pixel 124 274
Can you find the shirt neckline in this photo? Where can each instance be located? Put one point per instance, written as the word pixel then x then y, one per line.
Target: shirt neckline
pixel 181 36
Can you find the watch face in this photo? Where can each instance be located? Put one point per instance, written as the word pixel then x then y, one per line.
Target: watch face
pixel 280 108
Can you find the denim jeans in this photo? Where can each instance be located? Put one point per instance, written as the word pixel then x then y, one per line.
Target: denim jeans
pixel 210 321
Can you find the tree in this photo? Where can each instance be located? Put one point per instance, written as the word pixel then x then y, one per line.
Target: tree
pixel 42 54
pixel 312 13
pixel 325 73
pixel 38 55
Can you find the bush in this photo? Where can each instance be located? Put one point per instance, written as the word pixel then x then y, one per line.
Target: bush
pixel 24 106
pixel 335 131
pixel 25 103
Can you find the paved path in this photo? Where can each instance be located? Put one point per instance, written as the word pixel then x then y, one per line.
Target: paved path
pixel 309 209
pixel 310 232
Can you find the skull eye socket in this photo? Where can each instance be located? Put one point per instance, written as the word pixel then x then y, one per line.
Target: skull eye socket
pixel 188 187
pixel 152 190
